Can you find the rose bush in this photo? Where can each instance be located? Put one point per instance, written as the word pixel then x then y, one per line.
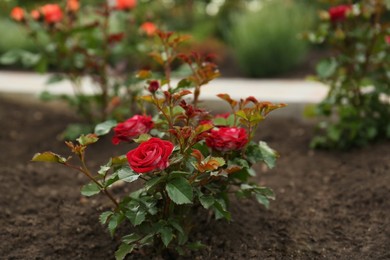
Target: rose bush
pixel 356 110
pixel 190 160
pixel 101 42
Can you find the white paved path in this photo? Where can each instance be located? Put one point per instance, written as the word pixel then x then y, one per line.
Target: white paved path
pixel 287 91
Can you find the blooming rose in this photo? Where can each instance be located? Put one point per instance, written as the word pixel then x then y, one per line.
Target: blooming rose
pixel 149 28
pixel 338 13
pixel 52 13
pixel 35 14
pixel 387 39
pixel 150 155
pixel 227 138
pixel 125 4
pixel 17 14
pixel 131 128
pixel 73 5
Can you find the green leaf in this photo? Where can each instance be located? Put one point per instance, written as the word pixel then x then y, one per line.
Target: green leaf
pixel 105 127
pixel 326 68
pixel 114 221
pixel 179 190
pixel 269 155
pixel 123 250
pixel 104 217
pixel 131 238
pixel 153 182
pixel 166 235
pixel 195 245
pixel 175 224
pixel 10 57
pixel 142 138
pixel 220 210
pixel 206 201
pixel 242 114
pixel 90 189
pixel 184 83
pixel 30 59
pixel 87 139
pixel 262 200
pixel 136 217
pixel 48 157
pixel 128 175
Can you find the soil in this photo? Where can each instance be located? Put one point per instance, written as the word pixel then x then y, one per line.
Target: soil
pixel 330 205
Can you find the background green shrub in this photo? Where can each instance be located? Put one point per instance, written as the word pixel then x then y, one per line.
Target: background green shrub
pixel 266 42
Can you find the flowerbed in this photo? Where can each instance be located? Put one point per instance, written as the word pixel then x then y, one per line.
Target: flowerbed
pixel 329 205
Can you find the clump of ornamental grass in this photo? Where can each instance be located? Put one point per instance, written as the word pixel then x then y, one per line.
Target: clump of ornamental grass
pixel 187 159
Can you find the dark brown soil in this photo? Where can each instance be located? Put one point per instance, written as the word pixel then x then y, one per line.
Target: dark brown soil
pixel 330 205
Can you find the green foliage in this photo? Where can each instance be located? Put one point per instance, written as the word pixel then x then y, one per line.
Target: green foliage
pixel 266 42
pixel 356 110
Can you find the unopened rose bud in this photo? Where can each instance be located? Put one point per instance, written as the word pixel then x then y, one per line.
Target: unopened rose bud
pixel 153 86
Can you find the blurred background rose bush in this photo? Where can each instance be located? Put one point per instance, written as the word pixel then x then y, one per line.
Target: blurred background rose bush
pixel 251 38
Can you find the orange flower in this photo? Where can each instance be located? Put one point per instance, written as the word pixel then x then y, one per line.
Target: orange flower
pixel 73 5
pixel 17 14
pixel 35 14
pixel 52 13
pixel 125 4
pixel 149 28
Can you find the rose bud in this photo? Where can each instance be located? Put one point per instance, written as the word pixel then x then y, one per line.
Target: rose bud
pixel 150 155
pixel 226 139
pixel 131 128
pixel 17 14
pixel 153 86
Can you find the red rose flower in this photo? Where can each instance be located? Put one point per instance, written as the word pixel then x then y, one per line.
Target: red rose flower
pixel 149 28
pixel 150 155
pixel 35 14
pixel 17 14
pixel 338 13
pixel 131 128
pixel 387 39
pixel 52 13
pixel 125 4
pixel 227 139
pixel 73 5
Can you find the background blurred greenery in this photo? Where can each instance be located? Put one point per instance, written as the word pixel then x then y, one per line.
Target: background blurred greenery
pixel 261 35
